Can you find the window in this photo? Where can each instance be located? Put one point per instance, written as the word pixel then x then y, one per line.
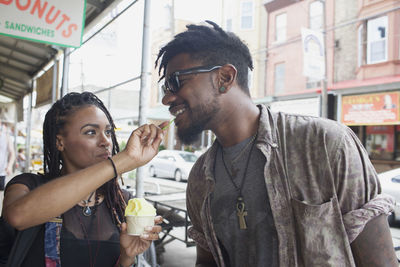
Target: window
pixel 280 28
pixel 229 13
pixel 246 18
pixel 279 78
pixel 360 45
pixel 313 83
pixel 316 15
pixel 377 40
pixel 229 25
pixel 380 141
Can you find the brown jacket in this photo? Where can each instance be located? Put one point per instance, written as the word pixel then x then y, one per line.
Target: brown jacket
pixel 321 185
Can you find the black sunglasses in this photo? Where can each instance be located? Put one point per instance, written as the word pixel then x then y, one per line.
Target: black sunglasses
pixel 173 85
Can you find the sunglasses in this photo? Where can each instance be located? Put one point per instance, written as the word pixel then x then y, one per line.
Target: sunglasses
pixel 172 84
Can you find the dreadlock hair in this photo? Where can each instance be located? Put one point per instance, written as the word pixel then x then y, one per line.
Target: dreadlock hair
pixel 54 122
pixel 211 46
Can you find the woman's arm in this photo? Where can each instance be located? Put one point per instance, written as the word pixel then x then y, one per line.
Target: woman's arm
pixel 23 208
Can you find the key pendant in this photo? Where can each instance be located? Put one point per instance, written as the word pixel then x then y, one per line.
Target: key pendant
pixel 241 213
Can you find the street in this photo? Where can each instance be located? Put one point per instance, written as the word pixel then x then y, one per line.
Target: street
pixel 176 253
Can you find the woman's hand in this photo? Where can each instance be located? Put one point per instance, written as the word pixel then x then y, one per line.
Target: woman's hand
pixel 131 246
pixel 143 143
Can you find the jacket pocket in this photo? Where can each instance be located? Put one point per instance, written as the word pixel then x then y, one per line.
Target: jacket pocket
pixel 321 236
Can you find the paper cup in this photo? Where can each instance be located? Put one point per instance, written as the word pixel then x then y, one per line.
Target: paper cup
pixel 136 224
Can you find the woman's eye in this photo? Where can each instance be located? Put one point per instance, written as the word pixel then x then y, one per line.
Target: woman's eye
pixel 109 132
pixel 90 132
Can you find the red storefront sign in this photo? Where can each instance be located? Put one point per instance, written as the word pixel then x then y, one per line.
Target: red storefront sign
pixel 371 109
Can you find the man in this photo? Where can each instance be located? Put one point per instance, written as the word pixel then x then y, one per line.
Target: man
pixel 274 189
pixel 7 155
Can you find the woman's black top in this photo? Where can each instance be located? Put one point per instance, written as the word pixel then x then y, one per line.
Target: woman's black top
pixel 85 240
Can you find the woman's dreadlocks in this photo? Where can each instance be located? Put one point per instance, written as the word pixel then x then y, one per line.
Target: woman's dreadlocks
pixel 211 46
pixel 55 121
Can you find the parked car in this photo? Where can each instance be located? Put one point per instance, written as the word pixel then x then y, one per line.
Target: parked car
pixel 172 164
pixel 390 182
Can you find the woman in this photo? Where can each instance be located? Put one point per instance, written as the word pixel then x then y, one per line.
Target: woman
pixel 78 203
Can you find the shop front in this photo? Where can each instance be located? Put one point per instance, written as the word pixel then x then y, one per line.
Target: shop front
pixel 375 120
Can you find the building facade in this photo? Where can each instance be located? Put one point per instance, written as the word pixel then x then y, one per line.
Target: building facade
pixel 362 66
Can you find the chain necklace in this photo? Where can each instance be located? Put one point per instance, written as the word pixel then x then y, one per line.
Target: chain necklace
pixel 240 205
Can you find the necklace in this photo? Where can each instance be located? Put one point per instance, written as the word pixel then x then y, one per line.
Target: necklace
pixel 244 149
pixel 92 258
pixel 86 210
pixel 240 205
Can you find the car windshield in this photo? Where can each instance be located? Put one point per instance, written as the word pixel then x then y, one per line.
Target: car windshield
pixel 188 157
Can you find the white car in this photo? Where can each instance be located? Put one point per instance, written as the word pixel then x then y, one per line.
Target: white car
pixel 390 182
pixel 172 164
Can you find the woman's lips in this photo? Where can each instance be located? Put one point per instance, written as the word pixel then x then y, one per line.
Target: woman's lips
pixel 105 155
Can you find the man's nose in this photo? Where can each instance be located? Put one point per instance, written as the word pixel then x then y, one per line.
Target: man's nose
pixel 168 98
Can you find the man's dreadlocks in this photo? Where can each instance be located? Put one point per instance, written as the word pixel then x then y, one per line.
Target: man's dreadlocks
pixel 211 46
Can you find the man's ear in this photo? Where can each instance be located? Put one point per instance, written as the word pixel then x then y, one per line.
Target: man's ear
pixel 59 143
pixel 227 77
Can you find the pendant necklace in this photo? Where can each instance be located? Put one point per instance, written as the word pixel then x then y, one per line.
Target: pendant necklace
pixel 240 205
pixel 86 210
pixel 92 258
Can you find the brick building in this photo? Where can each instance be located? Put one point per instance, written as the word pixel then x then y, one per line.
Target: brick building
pixel 362 67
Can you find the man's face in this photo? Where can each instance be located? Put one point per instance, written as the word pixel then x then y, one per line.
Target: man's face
pixel 196 101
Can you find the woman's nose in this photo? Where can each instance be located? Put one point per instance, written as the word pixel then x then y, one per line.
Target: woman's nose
pixel 105 140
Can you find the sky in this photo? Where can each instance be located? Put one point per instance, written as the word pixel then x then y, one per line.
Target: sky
pixel 110 58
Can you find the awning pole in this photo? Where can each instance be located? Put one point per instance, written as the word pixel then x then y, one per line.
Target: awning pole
pixel 65 76
pixel 28 134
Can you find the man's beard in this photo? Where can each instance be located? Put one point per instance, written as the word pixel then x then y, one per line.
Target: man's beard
pixel 200 116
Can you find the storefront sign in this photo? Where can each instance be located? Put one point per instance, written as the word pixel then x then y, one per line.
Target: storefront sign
pixel 370 109
pixel 56 22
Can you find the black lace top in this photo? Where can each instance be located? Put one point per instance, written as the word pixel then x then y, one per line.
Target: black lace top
pixel 85 241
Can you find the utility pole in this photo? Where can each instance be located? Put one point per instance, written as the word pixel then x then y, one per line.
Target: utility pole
pixel 324 94
pixel 171 129
pixel 145 83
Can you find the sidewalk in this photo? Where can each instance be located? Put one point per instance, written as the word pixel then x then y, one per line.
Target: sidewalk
pixel 177 255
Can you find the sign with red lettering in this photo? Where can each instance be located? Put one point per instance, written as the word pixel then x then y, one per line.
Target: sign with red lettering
pixel 371 109
pixel 56 22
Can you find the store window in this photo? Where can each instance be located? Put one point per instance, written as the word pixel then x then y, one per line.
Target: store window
pixel 397 144
pixel 280 28
pixel 380 142
pixel 377 32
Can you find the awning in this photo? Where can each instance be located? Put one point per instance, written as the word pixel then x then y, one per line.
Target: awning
pixel 22 60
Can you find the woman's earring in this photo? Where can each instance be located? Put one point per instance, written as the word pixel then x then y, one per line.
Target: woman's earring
pixel 222 89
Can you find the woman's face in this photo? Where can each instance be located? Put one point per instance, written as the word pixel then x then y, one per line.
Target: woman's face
pixel 85 139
